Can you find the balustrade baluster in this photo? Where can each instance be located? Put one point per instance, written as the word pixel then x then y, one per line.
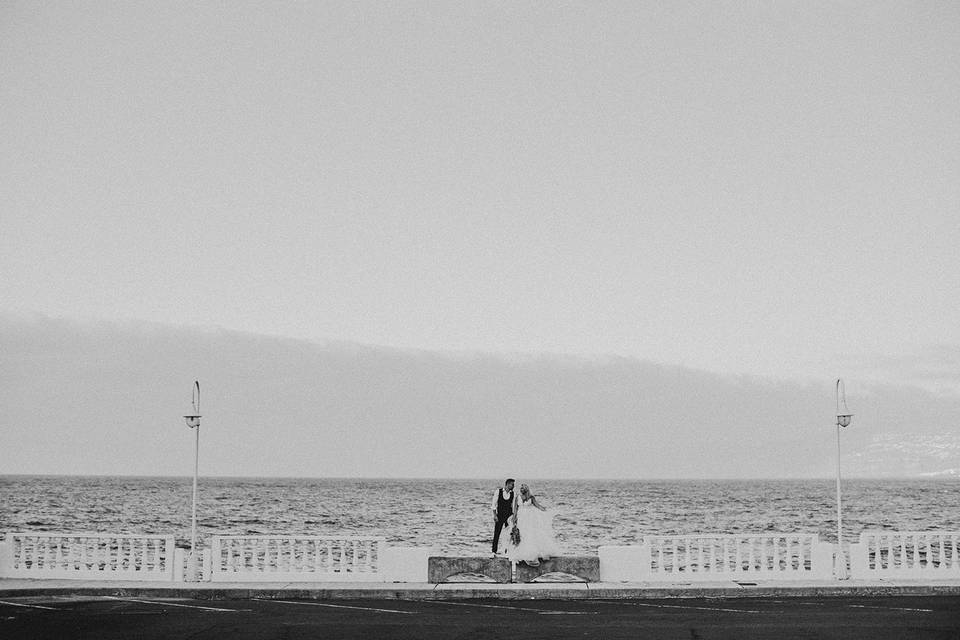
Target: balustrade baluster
pixel 158 563
pixel 235 553
pixel 58 554
pixel 72 557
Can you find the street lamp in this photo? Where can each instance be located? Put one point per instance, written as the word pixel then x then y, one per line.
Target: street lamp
pixel 193 421
pixel 843 420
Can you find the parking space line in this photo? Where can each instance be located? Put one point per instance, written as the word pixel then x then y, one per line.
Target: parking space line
pixel 337 606
pixel 29 606
pixel 171 604
pixel 501 606
pixel 863 606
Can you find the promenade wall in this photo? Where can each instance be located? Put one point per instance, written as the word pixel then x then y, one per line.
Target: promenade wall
pixel 697 558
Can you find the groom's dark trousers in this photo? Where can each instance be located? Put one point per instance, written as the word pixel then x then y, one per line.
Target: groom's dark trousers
pixel 504 511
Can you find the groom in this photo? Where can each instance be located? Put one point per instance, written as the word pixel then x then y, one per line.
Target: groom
pixel 502 510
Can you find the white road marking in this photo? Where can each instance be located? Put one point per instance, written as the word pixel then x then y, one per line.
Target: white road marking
pixel 337 606
pixel 171 604
pixel 29 606
pixel 501 606
pixel 677 606
pixel 863 606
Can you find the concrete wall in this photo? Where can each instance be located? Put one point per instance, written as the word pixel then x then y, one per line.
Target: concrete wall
pixel 462 569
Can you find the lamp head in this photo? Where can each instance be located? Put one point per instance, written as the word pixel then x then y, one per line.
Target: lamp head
pixel 192 421
pixel 843 419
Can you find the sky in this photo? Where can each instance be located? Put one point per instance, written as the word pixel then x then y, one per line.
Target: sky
pixel 748 188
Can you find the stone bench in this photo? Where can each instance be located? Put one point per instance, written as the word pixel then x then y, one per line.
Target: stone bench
pixel 468 569
pixel 561 569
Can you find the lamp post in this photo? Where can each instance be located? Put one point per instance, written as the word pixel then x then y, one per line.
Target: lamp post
pixel 193 421
pixel 843 420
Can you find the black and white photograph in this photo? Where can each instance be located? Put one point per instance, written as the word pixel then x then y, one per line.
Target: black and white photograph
pixel 478 319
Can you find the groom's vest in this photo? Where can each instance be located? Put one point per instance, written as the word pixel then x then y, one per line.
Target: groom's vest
pixel 504 507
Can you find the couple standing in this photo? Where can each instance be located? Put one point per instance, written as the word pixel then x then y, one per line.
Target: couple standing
pixel 528 524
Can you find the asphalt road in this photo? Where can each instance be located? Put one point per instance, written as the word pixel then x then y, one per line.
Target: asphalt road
pixel 107 617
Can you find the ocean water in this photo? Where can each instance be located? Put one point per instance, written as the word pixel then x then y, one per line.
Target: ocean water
pixel 454 515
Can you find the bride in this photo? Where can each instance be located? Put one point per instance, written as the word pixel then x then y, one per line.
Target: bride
pixel 535 524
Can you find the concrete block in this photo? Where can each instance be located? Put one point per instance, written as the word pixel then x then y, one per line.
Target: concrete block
pixel 206 563
pixel 405 564
pixel 859 561
pixel 6 558
pixel 443 568
pixel 821 561
pixel 179 561
pixel 624 563
pixel 586 568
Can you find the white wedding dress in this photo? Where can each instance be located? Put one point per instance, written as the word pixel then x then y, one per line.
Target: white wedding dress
pixel 537 541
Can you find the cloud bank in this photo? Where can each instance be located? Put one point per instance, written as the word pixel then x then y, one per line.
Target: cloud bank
pixel 107 398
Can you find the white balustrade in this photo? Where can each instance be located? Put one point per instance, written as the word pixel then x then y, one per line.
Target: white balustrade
pixel 87 556
pixel 296 558
pixel 699 558
pixel 906 554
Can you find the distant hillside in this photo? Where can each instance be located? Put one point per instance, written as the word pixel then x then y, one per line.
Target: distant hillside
pixel 906 454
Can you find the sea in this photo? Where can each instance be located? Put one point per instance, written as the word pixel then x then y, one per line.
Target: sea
pixel 453 515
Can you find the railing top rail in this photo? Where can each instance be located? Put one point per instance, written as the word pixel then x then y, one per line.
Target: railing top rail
pixel 304 537
pixel 52 534
pixel 728 536
pixel 893 532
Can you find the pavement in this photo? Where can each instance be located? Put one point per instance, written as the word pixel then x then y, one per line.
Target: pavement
pixel 494 612
pixel 11 587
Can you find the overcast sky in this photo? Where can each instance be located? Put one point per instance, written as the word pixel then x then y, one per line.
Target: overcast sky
pixel 770 188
